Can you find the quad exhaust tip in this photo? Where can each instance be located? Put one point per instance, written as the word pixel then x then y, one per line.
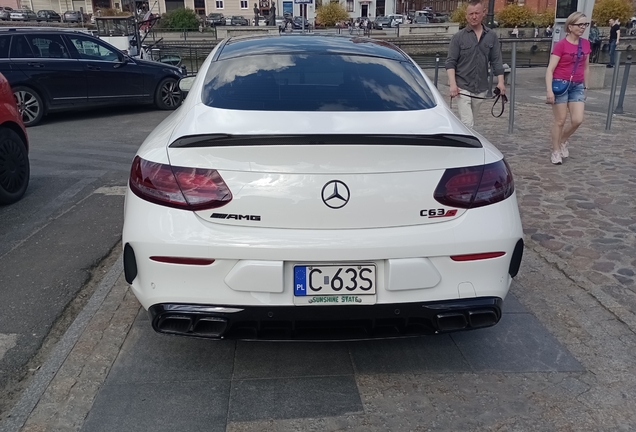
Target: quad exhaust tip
pixel 472 319
pixel 205 326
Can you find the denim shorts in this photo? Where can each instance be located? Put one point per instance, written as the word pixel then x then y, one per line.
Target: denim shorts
pixel 575 93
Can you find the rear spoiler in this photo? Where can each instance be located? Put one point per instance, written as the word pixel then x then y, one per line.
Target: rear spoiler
pixel 225 140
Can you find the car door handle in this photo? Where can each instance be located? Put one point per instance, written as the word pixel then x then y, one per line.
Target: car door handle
pixel 37 65
pixel 90 67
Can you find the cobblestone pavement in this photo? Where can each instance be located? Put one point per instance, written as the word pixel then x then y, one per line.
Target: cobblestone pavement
pixel 580 216
pixel 577 278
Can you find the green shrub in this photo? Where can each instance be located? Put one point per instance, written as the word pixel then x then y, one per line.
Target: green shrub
pixel 459 14
pixel 329 14
pixel 545 19
pixel 179 19
pixel 515 15
pixel 606 9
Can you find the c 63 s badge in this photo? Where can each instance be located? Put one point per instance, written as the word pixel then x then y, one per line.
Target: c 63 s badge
pixel 254 218
pixel 437 213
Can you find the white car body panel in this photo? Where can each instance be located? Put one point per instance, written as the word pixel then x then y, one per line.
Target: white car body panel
pixel 153 230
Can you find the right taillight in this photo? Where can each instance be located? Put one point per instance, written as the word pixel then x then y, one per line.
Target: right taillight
pixel 475 186
pixel 178 187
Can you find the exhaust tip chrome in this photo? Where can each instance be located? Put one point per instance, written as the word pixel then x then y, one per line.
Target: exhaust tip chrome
pixel 482 318
pixel 174 324
pixel 210 327
pixel 451 321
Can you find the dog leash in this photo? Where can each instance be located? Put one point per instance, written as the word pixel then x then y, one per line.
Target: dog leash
pixel 497 97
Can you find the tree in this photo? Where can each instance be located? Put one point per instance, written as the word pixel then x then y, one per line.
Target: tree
pixel 515 15
pixel 459 14
pixel 330 13
pixel 545 18
pixel 180 19
pixel 606 9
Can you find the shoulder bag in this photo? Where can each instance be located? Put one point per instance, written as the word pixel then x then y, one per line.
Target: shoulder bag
pixel 560 86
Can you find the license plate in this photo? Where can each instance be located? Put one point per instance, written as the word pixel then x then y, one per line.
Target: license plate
pixel 347 283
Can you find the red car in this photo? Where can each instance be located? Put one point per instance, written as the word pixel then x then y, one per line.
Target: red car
pixel 14 148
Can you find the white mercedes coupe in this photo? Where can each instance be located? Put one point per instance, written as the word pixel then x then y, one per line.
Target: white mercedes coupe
pixel 318 187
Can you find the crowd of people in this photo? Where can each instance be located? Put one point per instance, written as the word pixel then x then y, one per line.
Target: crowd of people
pixel 356 26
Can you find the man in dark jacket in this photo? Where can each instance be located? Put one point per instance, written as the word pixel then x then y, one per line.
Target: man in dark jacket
pixel 470 52
pixel 614 38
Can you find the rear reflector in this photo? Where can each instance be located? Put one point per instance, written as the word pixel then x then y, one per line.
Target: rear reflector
pixel 178 187
pixel 475 186
pixel 477 256
pixel 182 260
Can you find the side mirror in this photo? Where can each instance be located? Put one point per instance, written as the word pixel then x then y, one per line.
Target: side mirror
pixel 185 84
pixel 122 61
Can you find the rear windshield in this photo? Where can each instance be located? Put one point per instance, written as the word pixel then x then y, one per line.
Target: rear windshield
pixel 315 82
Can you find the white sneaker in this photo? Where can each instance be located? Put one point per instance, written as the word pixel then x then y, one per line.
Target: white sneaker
pixel 564 150
pixel 556 158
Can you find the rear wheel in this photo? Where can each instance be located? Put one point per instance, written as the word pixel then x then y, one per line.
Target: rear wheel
pixel 14 167
pixel 168 95
pixel 29 104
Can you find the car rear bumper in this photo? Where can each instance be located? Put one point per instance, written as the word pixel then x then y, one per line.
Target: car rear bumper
pixel 325 322
pixel 254 267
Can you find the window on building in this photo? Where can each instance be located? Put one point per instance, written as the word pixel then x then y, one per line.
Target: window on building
pixel 350 6
pixel 219 4
pixel 244 4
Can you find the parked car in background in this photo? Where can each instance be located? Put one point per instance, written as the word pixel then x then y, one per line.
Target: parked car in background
pixel 14 146
pixel 399 19
pixel 440 18
pixel 381 22
pixel 55 70
pixel 297 23
pixel 48 16
pixel 215 19
pixel 239 21
pixel 421 19
pixel 74 16
pixel 5 13
pixel 23 15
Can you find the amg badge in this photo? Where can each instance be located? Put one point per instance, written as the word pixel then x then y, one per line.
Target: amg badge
pixel 235 216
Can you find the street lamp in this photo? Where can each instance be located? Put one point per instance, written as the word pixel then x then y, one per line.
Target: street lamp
pixel 490 17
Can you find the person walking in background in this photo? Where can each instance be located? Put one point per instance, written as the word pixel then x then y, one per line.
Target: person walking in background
pixel 595 42
pixel 569 62
pixel 515 32
pixel 536 32
pixel 469 53
pixel 614 39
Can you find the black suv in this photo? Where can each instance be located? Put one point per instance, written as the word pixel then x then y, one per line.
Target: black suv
pixel 48 15
pixel 56 69
pixel 239 21
pixel 215 19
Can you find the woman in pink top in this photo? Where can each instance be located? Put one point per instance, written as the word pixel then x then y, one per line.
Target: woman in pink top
pixel 564 66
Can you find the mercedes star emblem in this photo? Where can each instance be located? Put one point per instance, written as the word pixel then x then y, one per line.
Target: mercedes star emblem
pixel 335 194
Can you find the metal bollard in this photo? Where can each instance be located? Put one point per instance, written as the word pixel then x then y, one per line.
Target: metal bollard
pixel 617 63
pixel 398 30
pixel 436 68
pixel 491 77
pixel 513 79
pixel 621 97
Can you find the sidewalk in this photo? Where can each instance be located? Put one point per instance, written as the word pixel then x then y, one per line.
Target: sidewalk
pixel 562 359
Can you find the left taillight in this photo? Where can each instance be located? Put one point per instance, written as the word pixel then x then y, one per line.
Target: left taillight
pixel 178 187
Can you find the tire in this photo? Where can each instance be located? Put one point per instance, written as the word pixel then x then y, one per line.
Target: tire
pixel 14 167
pixel 30 105
pixel 168 95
